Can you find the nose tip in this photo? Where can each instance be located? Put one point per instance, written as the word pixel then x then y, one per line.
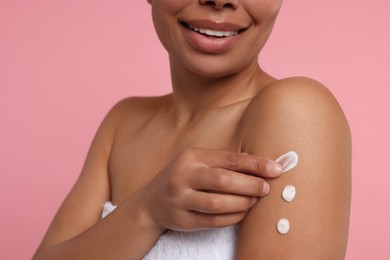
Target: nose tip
pixel 220 4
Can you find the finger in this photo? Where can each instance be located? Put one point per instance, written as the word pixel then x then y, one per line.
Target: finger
pixel 217 203
pixel 241 162
pixel 221 180
pixel 204 220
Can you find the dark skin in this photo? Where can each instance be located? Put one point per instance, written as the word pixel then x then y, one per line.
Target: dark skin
pixel 218 132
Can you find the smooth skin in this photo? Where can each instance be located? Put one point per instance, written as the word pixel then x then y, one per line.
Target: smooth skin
pixel 197 158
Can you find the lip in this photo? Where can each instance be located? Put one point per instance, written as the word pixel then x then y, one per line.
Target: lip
pixel 218 26
pixel 211 44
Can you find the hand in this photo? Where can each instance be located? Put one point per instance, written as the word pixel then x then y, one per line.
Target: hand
pixel 204 188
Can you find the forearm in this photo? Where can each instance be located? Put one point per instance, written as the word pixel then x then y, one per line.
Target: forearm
pixel 126 233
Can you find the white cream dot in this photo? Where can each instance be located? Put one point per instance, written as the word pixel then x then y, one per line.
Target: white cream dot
pixel 289 193
pixel 288 160
pixel 283 226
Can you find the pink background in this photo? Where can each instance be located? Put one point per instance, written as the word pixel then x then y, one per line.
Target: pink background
pixel 63 64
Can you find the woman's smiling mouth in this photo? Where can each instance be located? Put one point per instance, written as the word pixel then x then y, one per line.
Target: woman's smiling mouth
pixel 213 32
pixel 211 37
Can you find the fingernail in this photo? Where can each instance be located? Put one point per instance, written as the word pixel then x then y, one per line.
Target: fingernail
pixel 254 200
pixel 274 168
pixel 288 160
pixel 266 189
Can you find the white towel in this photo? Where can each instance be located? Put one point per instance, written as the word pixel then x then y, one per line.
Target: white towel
pixel 216 244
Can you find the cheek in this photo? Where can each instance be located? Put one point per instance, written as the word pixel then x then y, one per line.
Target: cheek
pixel 164 20
pixel 265 11
pixel 169 7
pixel 165 11
pixel 160 16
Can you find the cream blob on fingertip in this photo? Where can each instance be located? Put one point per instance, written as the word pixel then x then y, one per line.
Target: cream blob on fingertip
pixel 283 226
pixel 288 160
pixel 289 193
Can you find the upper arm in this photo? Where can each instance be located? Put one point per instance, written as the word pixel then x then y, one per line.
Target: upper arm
pixel 82 207
pixel 299 115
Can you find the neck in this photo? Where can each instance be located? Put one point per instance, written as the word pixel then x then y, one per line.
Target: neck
pixel 193 94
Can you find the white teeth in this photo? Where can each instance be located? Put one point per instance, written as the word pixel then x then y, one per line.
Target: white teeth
pixel 212 32
pixel 227 34
pixel 219 33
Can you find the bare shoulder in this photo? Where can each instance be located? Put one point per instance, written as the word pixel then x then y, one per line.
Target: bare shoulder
pixel 136 107
pixel 301 115
pixel 292 108
pixel 125 113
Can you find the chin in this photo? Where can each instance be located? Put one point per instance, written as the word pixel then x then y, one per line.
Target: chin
pixel 213 67
pixel 215 74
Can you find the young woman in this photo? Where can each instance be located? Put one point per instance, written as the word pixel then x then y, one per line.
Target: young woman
pixel 188 171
